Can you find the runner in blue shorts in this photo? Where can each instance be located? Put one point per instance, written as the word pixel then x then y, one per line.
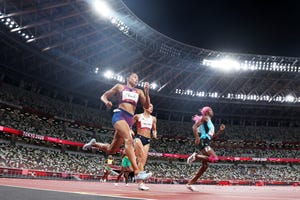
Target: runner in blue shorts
pixel 128 96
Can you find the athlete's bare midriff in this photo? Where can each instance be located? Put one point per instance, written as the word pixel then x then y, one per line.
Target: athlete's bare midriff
pixel 144 132
pixel 127 107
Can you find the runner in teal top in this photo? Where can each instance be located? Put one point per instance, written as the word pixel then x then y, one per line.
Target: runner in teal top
pixel 204 132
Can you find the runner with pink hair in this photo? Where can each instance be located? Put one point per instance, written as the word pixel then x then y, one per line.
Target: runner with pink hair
pixel 204 132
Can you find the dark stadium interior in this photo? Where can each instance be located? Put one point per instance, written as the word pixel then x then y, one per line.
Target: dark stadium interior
pixel 71 43
pixel 52 80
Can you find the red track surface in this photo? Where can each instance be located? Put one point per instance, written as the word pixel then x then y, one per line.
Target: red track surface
pixel 161 191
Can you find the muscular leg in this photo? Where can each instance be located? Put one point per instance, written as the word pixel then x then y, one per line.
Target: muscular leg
pixel 120 175
pixel 205 157
pixel 105 175
pixel 140 154
pixel 208 156
pixel 199 173
pixel 212 155
pixel 124 132
pixel 127 171
pixel 110 148
pixel 126 176
pixel 145 156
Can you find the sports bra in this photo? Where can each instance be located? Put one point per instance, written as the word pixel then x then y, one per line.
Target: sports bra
pixel 129 95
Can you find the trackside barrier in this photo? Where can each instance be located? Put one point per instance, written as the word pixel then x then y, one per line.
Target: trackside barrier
pixel 39 174
pixel 154 154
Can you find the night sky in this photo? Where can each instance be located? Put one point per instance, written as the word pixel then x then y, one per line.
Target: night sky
pixel 244 26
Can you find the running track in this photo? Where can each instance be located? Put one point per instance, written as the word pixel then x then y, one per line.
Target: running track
pixel 28 189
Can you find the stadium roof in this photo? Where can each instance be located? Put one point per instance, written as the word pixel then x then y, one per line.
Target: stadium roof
pixel 66 44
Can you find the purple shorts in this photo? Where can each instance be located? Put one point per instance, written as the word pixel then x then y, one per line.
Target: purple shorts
pixel 120 114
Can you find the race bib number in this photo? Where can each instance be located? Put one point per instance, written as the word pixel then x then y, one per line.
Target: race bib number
pixel 146 123
pixel 131 96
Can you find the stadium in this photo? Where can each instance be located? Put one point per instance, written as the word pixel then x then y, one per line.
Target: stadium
pixel 59 56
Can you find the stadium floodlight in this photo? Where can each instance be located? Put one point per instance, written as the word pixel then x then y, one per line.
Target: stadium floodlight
pixel 16 29
pixel 113 20
pixel 108 74
pixel 96 70
pixel 153 85
pixel 289 98
pixel 213 95
pixel 30 40
pixel 200 94
pixel 225 64
pixel 120 78
pixel 102 8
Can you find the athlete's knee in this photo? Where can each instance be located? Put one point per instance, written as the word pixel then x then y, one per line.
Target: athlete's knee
pixel 213 158
pixel 141 158
pixel 111 149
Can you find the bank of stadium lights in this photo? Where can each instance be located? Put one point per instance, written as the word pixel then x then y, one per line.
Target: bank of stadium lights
pixel 290 98
pixel 244 97
pixel 14 27
pixel 227 64
pixel 153 85
pixel 111 75
pixel 197 94
pixel 102 7
pixel 223 64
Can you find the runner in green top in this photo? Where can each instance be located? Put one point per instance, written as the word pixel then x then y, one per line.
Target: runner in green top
pixel 125 169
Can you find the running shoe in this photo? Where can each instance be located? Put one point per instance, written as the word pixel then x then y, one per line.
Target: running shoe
pixel 143 175
pixel 143 187
pixel 89 145
pixel 116 184
pixel 190 187
pixel 148 174
pixel 192 158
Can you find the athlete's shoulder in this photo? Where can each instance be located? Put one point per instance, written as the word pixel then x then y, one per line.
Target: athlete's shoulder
pixel 154 118
pixel 139 91
pixel 118 87
pixel 137 116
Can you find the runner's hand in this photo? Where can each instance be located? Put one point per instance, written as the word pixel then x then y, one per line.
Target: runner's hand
pixel 222 127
